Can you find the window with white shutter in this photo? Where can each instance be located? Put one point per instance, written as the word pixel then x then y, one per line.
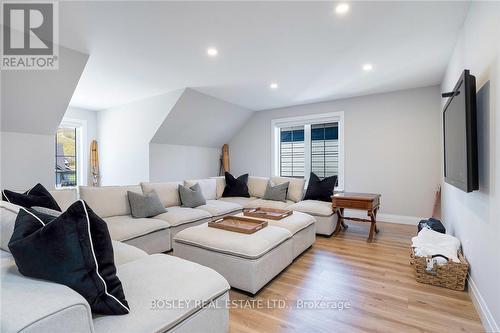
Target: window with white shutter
pixel 292 151
pixel 307 144
pixel 325 149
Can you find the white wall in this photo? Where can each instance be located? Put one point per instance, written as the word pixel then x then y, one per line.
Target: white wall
pixel 475 217
pixel 176 162
pixel 124 135
pixel 27 159
pixel 392 146
pixel 89 129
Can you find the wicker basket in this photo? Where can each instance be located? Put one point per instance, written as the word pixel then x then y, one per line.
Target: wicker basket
pixel 452 275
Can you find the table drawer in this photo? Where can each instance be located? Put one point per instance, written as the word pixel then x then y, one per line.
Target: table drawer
pixel 341 203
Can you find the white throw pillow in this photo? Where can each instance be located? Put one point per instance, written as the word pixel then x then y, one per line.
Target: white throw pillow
pixel 208 187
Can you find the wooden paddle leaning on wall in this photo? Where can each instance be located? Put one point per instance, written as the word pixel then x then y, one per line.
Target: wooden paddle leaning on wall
pixel 224 160
pixel 94 163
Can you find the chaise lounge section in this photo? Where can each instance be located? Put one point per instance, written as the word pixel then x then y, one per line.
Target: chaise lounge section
pixel 146 279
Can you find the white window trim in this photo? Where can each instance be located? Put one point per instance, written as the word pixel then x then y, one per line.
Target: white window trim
pixel 81 143
pixel 307 120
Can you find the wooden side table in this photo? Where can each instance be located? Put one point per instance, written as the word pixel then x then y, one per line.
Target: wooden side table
pixel 363 201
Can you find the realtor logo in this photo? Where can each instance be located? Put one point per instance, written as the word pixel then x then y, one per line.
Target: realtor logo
pixel 29 35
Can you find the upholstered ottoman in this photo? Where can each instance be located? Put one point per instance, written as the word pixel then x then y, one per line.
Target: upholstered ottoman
pixel 302 226
pixel 247 261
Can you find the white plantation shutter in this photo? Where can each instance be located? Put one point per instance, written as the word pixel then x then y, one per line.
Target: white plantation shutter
pixel 325 149
pixel 310 143
pixel 292 156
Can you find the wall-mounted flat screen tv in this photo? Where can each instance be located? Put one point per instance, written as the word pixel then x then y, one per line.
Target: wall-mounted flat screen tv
pixel 460 135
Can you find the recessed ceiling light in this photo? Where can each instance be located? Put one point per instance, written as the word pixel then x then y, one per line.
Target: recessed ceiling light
pixel 342 8
pixel 367 67
pixel 212 51
pixel 273 85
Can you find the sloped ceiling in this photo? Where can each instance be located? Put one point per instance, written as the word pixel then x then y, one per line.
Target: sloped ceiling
pixel 201 120
pixel 34 101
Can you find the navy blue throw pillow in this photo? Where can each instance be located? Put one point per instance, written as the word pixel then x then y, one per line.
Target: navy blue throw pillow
pixel 73 249
pixel 236 187
pixel 320 189
pixel 36 196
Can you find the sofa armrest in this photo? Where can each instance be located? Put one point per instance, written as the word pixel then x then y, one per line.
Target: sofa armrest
pixel 31 305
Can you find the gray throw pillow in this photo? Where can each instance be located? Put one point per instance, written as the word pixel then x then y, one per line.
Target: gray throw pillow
pixel 145 205
pixel 276 192
pixel 191 196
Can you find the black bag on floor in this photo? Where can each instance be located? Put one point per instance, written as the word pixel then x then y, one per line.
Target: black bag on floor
pixel 433 224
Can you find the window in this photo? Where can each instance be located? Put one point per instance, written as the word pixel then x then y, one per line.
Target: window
pixel 310 143
pixel 325 149
pixel 66 157
pixel 292 151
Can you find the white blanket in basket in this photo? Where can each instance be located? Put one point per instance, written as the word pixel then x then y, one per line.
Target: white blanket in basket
pixel 429 242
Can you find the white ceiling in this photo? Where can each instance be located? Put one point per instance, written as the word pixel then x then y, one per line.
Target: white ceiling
pixel 141 49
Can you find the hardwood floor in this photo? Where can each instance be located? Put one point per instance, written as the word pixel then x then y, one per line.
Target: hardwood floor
pixel 375 278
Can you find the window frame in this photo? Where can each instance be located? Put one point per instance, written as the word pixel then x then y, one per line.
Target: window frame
pixel 307 121
pixel 81 133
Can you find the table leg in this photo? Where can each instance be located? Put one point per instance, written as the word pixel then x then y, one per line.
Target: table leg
pixel 373 227
pixel 340 221
pixel 343 219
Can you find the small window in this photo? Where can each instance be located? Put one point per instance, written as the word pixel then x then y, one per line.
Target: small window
pixel 66 157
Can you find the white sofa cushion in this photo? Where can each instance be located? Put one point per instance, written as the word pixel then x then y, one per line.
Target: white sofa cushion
pixel 208 187
pixel 242 201
pixel 221 184
pixel 269 204
pixel 108 201
pixel 168 192
pixel 8 215
pixel 125 227
pixel 313 207
pixel 180 215
pixel 124 253
pixel 64 197
pixel 35 305
pixel 295 189
pixel 219 207
pixel 251 246
pixel 161 277
pixel 257 186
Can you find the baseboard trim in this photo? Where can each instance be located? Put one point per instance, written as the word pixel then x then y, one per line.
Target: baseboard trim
pixel 482 309
pixel 391 218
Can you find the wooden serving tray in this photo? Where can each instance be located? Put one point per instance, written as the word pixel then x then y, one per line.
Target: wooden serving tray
pixel 268 213
pixel 238 224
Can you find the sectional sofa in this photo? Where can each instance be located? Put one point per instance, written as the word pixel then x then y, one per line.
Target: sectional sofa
pixel 155 234
pixel 32 305
pixel 147 275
